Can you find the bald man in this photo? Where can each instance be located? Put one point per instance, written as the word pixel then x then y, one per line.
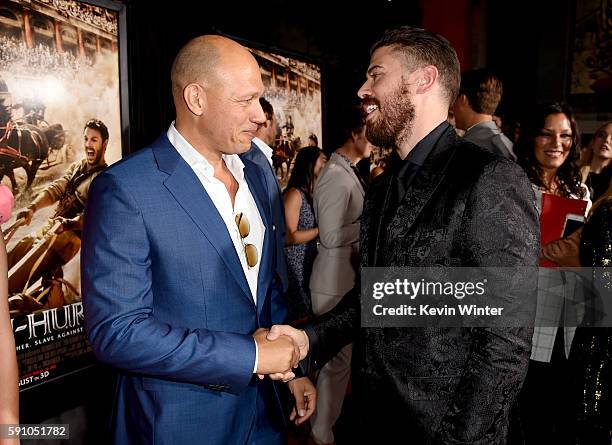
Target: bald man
pixel 178 261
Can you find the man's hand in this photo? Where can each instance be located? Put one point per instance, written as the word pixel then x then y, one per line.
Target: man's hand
pixel 67 224
pixel 565 251
pixel 27 215
pixel 305 395
pixel 276 356
pixel 297 335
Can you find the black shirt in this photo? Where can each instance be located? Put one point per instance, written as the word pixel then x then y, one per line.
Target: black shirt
pixel 406 169
pixel 404 173
pixel 598 182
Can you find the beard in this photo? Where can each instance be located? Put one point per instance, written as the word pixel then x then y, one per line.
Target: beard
pixel 396 120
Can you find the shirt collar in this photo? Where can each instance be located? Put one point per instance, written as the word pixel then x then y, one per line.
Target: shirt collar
pixel 265 148
pixel 347 160
pixel 484 124
pixel 198 162
pixel 422 149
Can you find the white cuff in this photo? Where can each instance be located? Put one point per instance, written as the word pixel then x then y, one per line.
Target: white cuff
pixel 256 357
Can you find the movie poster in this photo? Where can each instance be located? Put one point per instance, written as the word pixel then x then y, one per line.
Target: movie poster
pixel 59 68
pixel 592 57
pixel 293 87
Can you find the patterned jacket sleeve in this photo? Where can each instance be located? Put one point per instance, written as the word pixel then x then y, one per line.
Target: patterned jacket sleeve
pixel 332 331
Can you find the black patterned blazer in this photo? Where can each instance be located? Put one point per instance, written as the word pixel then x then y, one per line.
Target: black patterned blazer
pixel 465 207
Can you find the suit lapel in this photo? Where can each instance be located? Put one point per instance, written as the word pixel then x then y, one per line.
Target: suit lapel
pixel 253 179
pixel 374 209
pixel 269 175
pixel 188 191
pixel 274 180
pixel 425 182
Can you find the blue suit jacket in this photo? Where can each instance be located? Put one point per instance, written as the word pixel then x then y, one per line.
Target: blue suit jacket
pixel 167 303
pixel 278 209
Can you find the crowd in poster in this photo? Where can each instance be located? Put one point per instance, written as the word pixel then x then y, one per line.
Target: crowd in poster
pixel 592 58
pixel 293 87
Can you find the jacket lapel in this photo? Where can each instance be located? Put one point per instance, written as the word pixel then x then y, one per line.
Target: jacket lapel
pixel 269 177
pixel 188 191
pixel 373 212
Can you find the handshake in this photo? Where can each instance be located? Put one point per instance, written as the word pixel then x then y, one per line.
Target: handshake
pixel 280 350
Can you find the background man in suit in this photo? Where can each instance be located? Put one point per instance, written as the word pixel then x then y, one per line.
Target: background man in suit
pixel 261 154
pixel 338 204
pixel 451 203
pixel 479 94
pixel 178 267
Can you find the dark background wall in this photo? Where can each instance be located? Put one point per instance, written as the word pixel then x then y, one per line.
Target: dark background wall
pixel 528 43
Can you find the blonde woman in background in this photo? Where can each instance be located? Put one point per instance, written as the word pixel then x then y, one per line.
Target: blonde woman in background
pixel 596 162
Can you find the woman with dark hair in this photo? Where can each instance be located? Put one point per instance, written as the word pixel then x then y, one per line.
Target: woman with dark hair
pixel 548 150
pixel 302 231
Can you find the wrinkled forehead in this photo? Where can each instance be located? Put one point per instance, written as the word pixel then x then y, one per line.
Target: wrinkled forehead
pixel 384 56
pixel 393 57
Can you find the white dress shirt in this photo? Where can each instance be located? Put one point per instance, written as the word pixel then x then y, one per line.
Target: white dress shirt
pixel 265 149
pixel 243 202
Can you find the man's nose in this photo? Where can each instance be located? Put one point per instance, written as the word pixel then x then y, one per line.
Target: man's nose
pixel 259 117
pixel 364 91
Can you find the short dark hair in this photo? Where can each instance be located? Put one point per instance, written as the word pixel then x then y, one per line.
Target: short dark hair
pixel 483 90
pixel 267 108
pixel 422 48
pixel 302 174
pixel 353 121
pixel 97 124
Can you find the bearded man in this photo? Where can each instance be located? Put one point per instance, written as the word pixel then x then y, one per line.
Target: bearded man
pixel 447 203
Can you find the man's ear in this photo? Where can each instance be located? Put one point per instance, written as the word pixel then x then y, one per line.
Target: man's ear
pixel 461 102
pixel 427 79
pixel 195 98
